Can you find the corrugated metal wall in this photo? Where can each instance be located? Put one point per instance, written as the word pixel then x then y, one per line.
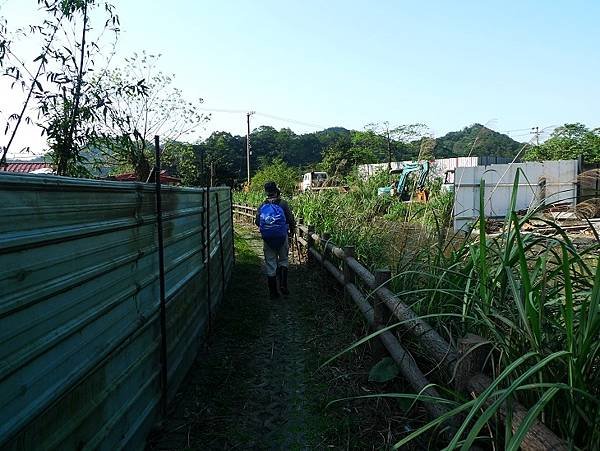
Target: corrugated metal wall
pixel 545 182
pixel 589 181
pixel 79 301
pixel 437 167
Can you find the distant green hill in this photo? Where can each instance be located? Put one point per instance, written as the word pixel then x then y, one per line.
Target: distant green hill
pixel 332 146
pixel 38 159
pixel 476 140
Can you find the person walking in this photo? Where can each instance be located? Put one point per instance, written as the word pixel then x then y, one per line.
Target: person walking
pixel 276 223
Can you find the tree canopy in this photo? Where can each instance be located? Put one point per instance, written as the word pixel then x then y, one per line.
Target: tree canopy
pixel 279 172
pixel 568 142
pixel 476 140
pixel 338 150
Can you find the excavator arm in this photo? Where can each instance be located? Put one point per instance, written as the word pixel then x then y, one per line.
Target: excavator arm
pixel 399 186
pixel 406 170
pixel 423 176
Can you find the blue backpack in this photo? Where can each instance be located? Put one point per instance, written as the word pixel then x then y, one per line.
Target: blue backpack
pixel 272 225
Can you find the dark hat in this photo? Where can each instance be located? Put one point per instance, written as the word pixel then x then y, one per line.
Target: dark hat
pixel 271 189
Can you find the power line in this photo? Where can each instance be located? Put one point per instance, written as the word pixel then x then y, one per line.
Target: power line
pixel 267 115
pixel 292 121
pixel 520 136
pixel 516 130
pixel 221 110
pixel 320 126
pixel 528 129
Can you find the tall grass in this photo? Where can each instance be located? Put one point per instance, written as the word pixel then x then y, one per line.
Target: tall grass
pixel 535 298
pixel 375 225
pixel 252 198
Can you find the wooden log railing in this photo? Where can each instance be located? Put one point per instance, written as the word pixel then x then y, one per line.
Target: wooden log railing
pixel 243 211
pixel 454 366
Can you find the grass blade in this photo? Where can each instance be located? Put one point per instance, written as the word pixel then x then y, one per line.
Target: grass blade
pixel 533 413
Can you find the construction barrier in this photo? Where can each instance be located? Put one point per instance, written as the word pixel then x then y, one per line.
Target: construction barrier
pixel 80 329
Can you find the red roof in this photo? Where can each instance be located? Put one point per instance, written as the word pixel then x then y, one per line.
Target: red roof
pixel 164 178
pixel 24 167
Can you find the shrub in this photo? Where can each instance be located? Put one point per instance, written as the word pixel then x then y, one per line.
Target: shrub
pixel 279 172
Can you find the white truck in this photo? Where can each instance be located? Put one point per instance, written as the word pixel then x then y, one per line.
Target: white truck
pixel 313 181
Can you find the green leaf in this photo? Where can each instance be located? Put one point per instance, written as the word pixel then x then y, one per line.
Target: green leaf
pixel 533 413
pixel 384 371
pixel 493 408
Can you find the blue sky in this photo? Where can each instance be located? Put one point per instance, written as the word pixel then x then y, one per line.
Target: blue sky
pixel 509 64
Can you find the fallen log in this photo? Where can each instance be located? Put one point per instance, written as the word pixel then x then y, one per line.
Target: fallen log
pixel 538 438
pixel 439 349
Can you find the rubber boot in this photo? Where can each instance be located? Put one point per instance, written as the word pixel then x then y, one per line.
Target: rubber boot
pixel 279 279
pixel 283 280
pixel 273 293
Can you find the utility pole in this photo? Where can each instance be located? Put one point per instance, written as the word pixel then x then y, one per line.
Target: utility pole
pixel 389 148
pixel 536 132
pixel 248 153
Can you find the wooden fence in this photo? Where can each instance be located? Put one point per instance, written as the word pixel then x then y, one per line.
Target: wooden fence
pixel 458 366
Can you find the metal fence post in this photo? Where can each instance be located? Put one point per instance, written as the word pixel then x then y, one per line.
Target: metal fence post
pixel 232 232
pixel 208 251
pixel 161 278
pixel 222 251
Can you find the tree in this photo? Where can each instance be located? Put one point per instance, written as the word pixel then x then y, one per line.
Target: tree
pixel 21 74
pixel 568 142
pixel 399 140
pixel 278 172
pixel 359 147
pixel 476 140
pixel 304 151
pixel 181 161
pixel 134 118
pixel 367 147
pixel 66 107
pixel 427 147
pixel 335 157
pixel 224 155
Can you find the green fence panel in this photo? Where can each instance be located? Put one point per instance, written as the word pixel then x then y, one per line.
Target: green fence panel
pixel 79 300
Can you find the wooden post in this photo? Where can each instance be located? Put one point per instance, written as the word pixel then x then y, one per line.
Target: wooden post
pixel 381 314
pixel 325 239
pixel 326 254
pixel 311 244
pixel 473 354
pixel 349 276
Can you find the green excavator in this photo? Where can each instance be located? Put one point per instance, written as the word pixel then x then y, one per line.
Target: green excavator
pixel 399 187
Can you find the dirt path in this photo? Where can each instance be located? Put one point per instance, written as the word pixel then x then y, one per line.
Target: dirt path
pixel 248 389
pixel 257 384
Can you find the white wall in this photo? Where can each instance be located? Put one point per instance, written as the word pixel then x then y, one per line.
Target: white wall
pixel 560 186
pixel 437 167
